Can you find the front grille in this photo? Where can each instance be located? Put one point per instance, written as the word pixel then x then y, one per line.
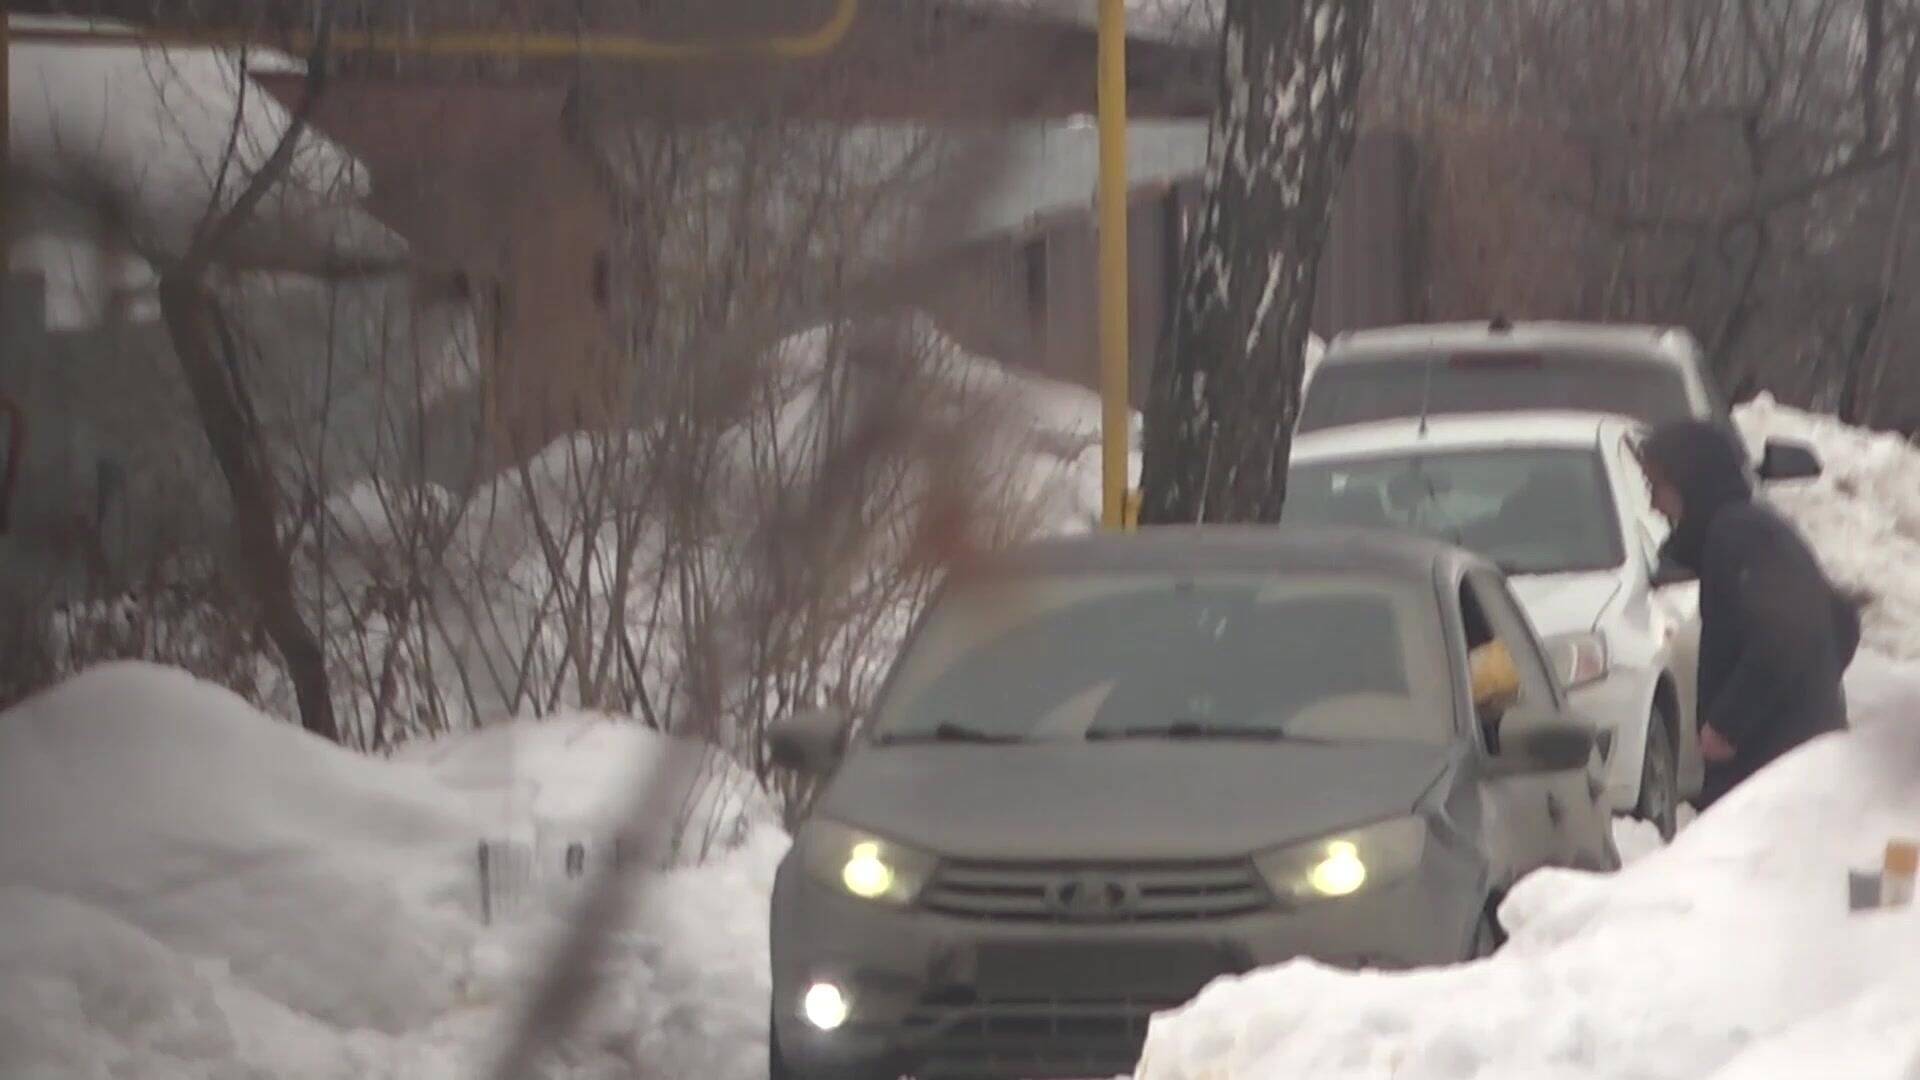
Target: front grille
pixel 1152 892
pixel 1037 1039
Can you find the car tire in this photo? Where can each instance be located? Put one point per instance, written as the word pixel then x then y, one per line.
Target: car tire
pixel 1659 803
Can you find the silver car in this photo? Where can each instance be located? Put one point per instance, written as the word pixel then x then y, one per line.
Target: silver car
pixel 1111 769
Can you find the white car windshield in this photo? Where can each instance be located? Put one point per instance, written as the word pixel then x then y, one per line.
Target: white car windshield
pixel 1531 510
pixel 1093 656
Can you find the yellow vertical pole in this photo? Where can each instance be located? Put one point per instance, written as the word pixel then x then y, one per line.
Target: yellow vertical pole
pixel 1115 402
pixel 6 141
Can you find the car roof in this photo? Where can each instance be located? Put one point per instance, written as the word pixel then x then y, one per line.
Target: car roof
pixel 1460 431
pixel 1394 342
pixel 1279 549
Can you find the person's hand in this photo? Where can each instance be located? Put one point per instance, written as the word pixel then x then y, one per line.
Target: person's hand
pixel 1714 746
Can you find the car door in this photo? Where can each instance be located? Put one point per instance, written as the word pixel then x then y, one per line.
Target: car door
pixel 1550 818
pixel 1674 609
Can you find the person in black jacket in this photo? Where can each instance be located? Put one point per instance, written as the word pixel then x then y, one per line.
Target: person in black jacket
pixel 1775 635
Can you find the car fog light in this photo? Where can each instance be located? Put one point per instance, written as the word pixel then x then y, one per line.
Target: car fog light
pixel 1341 872
pixel 866 874
pixel 825 1006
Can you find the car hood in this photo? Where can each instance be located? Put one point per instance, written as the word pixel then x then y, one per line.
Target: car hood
pixel 1136 799
pixel 1564 603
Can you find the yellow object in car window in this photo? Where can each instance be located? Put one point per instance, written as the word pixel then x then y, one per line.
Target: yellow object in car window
pixel 1495 680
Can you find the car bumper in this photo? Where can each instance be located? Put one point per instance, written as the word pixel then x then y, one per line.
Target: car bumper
pixel 935 995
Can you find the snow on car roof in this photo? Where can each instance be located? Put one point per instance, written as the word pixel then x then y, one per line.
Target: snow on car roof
pixel 1393 342
pixel 1457 432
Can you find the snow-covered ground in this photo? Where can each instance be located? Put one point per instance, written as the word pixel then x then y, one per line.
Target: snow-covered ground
pixel 189 888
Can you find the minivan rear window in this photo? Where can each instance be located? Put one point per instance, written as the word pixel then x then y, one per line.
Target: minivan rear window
pixel 1441 384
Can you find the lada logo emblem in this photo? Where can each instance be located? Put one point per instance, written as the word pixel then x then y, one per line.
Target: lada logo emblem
pixel 1092 896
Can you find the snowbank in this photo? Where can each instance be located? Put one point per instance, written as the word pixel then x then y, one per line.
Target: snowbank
pixel 179 808
pixel 571 777
pixel 1728 954
pixel 184 877
pixel 189 888
pixel 1862 514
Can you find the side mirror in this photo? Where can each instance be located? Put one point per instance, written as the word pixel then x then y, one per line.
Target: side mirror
pixel 1789 459
pixel 1667 572
pixel 810 742
pixel 1544 742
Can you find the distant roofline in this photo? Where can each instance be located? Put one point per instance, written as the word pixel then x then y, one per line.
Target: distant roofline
pixel 1178 23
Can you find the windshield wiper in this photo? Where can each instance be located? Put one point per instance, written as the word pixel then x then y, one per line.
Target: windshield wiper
pixel 1191 729
pixel 949 731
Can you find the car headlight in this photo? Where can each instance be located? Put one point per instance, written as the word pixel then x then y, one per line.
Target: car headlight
pixel 1580 658
pixel 863 865
pixel 1346 862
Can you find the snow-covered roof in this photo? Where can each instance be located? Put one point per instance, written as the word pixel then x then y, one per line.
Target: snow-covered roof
pixel 1054 170
pixel 146 132
pixel 1180 22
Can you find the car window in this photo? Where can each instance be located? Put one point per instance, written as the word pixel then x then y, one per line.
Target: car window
pixel 1530 510
pixel 1363 391
pixel 1508 623
pixel 1076 656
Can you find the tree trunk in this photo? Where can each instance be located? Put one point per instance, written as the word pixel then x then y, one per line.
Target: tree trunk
pixel 210 359
pixel 206 355
pixel 1226 384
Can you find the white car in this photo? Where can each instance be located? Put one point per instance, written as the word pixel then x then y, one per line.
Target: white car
pixel 1650 373
pixel 1558 501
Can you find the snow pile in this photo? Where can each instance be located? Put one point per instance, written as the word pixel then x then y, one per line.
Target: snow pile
pixel 1729 954
pixel 1862 514
pixel 184 878
pixel 189 888
pixel 575 540
pixel 571 777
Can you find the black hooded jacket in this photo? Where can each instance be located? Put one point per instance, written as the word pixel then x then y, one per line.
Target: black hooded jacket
pixel 1775 636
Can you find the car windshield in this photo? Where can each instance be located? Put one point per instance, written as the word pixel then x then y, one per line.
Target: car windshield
pixel 1145 655
pixel 1365 391
pixel 1531 510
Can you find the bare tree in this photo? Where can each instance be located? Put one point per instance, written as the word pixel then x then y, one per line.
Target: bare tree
pixel 1226 384
pixel 211 359
pixel 1735 168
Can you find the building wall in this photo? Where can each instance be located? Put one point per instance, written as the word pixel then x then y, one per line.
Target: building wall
pixel 1034 303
